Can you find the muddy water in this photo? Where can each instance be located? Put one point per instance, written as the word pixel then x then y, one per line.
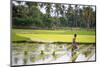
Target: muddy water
pixel 34 53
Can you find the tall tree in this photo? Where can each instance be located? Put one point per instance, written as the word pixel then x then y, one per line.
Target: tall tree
pixel 88 12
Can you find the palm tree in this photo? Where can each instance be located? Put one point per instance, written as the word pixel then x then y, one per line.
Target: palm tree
pixel 76 14
pixel 70 15
pixel 48 9
pixel 88 12
pixel 62 10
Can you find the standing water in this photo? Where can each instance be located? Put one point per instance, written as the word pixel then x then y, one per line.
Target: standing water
pixel 36 53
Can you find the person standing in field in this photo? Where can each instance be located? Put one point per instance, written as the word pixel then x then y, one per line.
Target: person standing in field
pixel 74 48
pixel 74 44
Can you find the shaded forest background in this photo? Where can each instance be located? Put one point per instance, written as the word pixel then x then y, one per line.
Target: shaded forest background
pixel 34 15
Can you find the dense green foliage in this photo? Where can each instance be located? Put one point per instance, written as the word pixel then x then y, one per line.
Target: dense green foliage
pixel 36 15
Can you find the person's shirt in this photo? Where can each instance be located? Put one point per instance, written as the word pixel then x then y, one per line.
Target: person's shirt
pixel 74 40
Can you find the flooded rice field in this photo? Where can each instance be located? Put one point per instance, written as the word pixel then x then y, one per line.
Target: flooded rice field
pixel 36 53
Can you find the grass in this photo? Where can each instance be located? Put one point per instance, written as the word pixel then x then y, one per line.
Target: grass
pixel 60 38
pixel 54 35
pixel 16 37
pixel 66 32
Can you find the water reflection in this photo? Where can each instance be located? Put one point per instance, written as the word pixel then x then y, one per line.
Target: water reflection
pixel 35 53
pixel 25 59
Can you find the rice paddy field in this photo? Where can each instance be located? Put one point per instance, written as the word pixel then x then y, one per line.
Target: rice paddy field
pixel 53 35
pixel 26 53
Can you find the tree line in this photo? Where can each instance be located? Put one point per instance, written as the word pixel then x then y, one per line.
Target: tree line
pixel 52 15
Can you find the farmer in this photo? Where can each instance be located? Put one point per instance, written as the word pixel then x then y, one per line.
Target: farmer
pixel 74 48
pixel 74 44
